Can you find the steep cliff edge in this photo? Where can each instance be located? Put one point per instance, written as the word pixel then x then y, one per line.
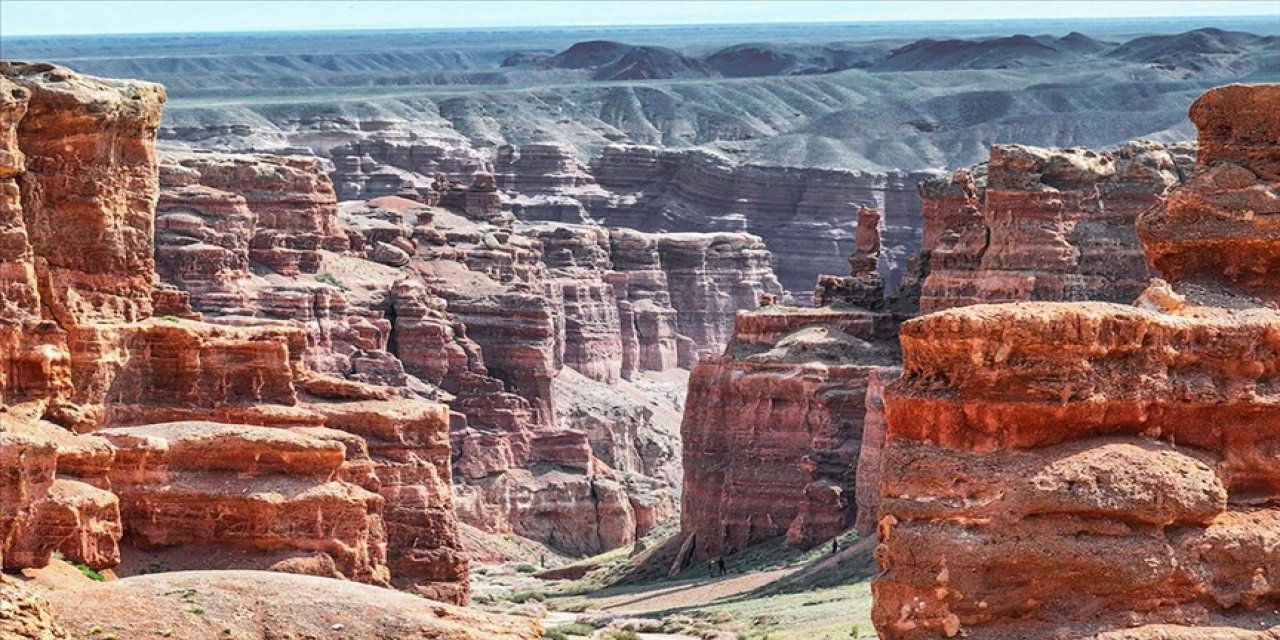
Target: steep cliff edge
pixel 774 426
pixel 1099 470
pixel 122 429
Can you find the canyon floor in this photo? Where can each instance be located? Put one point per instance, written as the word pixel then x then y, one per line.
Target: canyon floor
pixel 769 591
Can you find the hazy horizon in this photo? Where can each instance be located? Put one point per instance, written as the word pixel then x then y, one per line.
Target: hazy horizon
pixel 21 18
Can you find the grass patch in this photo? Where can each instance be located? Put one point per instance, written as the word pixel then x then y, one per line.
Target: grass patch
pixel 85 569
pixel 330 279
pixel 533 595
pixel 571 629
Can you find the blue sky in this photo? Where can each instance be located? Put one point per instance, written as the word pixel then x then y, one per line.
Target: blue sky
pixel 46 17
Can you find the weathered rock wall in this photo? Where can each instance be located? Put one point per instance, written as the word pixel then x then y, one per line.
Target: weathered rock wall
pixel 370 474
pixel 806 217
pixel 1044 224
pixel 1099 470
pixel 773 427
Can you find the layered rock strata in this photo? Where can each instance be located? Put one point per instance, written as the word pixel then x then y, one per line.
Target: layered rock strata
pixel 806 217
pixel 1043 224
pixel 1100 470
pixel 167 433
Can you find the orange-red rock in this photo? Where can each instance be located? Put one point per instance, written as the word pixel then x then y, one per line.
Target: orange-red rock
pixel 282 459
pixel 1098 470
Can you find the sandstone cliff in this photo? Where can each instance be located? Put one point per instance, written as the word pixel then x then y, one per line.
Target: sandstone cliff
pixel 1100 470
pixel 774 426
pixel 121 429
pixel 1043 224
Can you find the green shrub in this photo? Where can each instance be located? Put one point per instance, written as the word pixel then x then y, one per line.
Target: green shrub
pixel 521 597
pixel 330 279
pixel 621 634
pixel 575 629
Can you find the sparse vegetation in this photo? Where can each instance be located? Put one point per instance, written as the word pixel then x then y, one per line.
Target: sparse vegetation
pixel 85 569
pixel 329 279
pixel 521 597
pixel 621 634
pixel 565 631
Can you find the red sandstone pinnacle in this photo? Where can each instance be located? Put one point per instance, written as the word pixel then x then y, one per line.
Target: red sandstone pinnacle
pixel 1097 470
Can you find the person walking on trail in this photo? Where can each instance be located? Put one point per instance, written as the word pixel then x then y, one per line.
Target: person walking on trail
pixel 720 566
pixel 711 567
pixel 835 545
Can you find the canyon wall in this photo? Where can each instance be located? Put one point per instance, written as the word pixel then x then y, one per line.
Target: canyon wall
pixel 806 217
pixel 1101 470
pixel 1044 224
pixel 126 429
pixel 775 426
pixel 440 294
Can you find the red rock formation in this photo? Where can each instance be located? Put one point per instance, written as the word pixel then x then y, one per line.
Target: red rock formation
pixel 643 295
pixel 1234 188
pixel 89 191
pixel 870 467
pixel 772 429
pixel 1041 224
pixel 864 287
pixel 291 202
pixel 711 277
pixel 1098 470
pixel 81 354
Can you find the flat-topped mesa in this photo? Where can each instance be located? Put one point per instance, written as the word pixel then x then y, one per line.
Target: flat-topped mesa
pixel 1043 224
pixel 773 428
pixel 1222 226
pixel 1035 450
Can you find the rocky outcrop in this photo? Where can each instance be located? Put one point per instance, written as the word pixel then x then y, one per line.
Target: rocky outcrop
pixel 1223 224
pixel 292 210
pixel 711 277
pixel 388 164
pixel 1100 470
pixel 773 427
pixel 167 433
pixel 1043 224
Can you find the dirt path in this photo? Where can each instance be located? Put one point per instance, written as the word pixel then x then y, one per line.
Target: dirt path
pixel 639 600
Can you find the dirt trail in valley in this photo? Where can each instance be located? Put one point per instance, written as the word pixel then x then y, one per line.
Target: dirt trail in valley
pixel 686 593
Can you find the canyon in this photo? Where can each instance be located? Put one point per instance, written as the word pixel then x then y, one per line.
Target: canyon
pixel 234 371
pixel 380 353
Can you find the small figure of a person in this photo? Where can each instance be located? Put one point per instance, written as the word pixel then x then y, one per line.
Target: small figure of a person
pixel 835 546
pixel 711 567
pixel 720 565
